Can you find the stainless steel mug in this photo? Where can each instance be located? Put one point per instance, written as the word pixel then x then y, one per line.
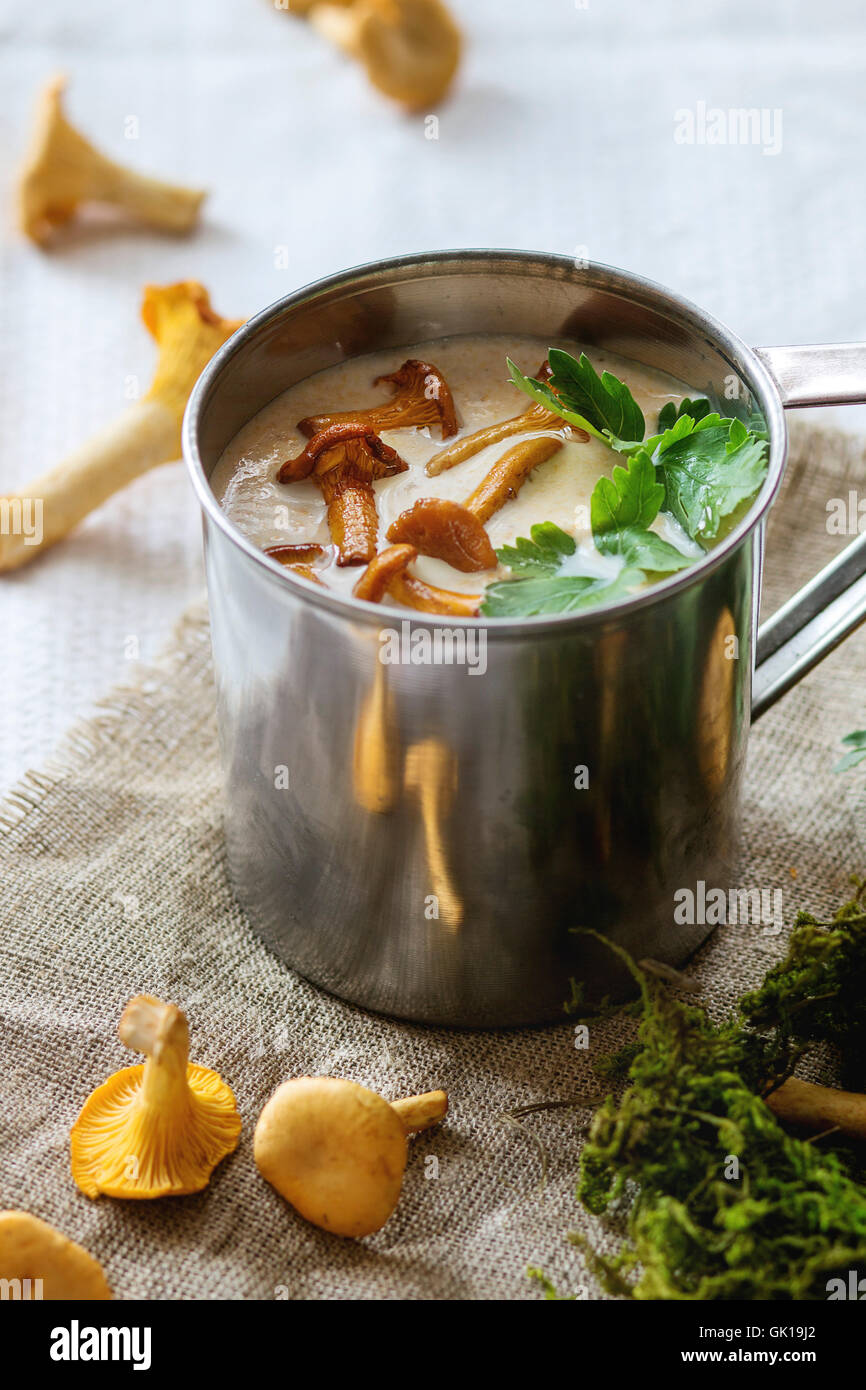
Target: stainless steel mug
pixel 413 834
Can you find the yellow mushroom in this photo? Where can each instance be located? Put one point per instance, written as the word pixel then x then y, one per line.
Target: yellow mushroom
pixel 158 1129
pixel 63 170
pixel 38 1262
pixel 303 7
pixel 188 332
pixel 806 1105
pixel 337 1151
pixel 410 48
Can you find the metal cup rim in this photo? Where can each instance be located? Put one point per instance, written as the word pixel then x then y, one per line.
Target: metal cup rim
pixel 395 268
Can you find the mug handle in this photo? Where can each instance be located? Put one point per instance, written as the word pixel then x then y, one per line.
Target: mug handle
pixel 823 613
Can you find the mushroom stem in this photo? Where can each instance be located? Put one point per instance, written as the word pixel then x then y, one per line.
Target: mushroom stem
pixel 808 1106
pixel 508 474
pixel 535 418
pixel 337 23
pixel 188 332
pixel 161 1032
pixel 352 517
pixel 157 1129
pixel 64 170
pixel 421 1112
pixel 142 437
pixel 428 598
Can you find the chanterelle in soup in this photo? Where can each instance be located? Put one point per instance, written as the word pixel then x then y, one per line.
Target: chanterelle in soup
pixel 490 476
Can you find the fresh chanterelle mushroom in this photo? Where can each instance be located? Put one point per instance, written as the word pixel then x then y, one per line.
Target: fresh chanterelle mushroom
pixel 421 397
pixel 56 1268
pixel 64 171
pixel 157 1129
pixel 303 7
pixel 410 48
pixel 188 332
pixel 337 1151
pixel 346 459
pixel 806 1105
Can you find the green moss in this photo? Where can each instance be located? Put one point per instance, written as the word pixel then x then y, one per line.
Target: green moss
pixel 721 1201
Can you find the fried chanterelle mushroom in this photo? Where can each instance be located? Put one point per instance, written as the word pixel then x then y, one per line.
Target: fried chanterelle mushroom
pixel 34 1253
pixel 63 171
pixel 410 48
pixel 535 417
pixel 337 1151
pixel 447 531
pixel 187 332
pixel 508 474
pixel 157 1129
pixel 386 574
pixel 421 397
pixel 300 559
pixel 346 459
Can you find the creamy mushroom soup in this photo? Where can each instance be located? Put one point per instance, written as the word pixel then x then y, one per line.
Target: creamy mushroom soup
pixel 556 490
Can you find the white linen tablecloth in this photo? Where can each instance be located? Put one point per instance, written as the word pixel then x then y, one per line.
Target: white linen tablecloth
pixel 560 135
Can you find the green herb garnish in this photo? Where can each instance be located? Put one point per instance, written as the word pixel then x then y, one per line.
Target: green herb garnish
pixel 856 744
pixel 542 555
pixel 700 467
pixel 621 510
pixel 708 471
pixel 670 413
pixel 602 405
pixel 541 588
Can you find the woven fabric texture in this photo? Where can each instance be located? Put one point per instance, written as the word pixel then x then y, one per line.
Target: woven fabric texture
pixel 114 879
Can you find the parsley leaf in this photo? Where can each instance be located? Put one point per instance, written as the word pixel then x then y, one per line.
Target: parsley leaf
pixel 542 555
pixel 603 405
pixel 856 742
pixel 700 467
pixel 621 510
pixel 527 598
pixel 708 471
pixel 632 497
pixel 670 413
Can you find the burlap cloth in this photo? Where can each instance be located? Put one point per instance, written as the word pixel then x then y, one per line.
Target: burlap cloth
pixel 114 882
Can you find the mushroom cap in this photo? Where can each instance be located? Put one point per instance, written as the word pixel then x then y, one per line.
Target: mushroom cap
pixel 335 1150
pixel 343 444
pixel 31 1249
pixel 123 1146
pixel 63 169
pixel 188 331
pixel 410 48
pixel 447 530
pixel 420 396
